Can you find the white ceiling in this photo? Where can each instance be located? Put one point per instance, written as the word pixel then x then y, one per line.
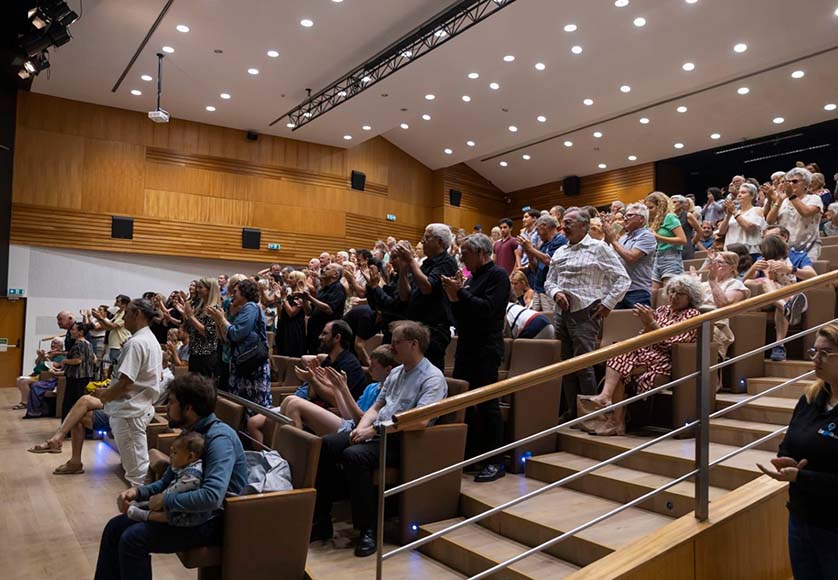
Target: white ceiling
pixel 615 52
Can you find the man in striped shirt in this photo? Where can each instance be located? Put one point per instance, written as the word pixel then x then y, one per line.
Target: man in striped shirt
pixel 586 279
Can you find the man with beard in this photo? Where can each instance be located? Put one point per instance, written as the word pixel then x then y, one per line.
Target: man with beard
pixel 327 305
pixel 127 545
pixel 335 341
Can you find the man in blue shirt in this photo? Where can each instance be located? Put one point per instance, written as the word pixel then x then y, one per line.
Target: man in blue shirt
pixel 126 546
pixel 636 248
pixel 539 259
pixel 801 264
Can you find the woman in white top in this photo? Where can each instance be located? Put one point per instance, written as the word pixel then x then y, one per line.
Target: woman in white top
pixel 799 211
pixel 743 225
pixel 724 288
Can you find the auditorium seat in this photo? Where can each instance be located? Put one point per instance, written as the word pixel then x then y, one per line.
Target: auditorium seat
pixel 450 353
pixel 695 263
pixel 618 326
pixel 503 370
pixel 373 342
pixel 749 330
pixel 830 254
pixel 829 240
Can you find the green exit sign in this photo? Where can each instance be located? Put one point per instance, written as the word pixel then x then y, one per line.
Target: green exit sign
pixel 273 246
pixel 15 292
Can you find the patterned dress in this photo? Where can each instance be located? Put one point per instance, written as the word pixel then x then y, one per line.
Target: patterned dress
pixel 658 357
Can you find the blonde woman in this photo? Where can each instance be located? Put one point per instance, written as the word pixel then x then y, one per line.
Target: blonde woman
pixel 670 237
pixel 203 340
pixel 521 288
pixel 290 338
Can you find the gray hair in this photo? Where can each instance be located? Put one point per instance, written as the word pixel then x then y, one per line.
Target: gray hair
pixel 440 232
pixel 557 209
pixel 581 215
pixel 620 204
pixel 819 178
pixel 547 220
pixel 678 198
pixel 640 209
pixel 778 175
pixel 752 189
pixel 480 243
pixel 689 285
pixel 144 307
pixel 344 255
pixel 804 174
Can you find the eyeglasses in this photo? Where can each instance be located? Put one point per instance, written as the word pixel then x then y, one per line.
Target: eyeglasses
pixel 792 181
pixel 814 353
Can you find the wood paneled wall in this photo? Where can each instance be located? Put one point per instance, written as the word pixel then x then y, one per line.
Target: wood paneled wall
pixel 482 203
pixel 192 187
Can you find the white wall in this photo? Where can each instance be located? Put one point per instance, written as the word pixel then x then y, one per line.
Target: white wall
pixel 56 279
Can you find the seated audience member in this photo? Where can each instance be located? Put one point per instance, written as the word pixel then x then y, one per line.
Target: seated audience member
pixel 321 420
pixel 290 337
pixel 126 546
pixel 414 383
pixel 79 366
pixel 326 306
pixel 807 459
pixel 723 288
pixel 177 346
pixel 670 237
pixel 635 372
pixel 117 333
pixel 335 344
pixel 829 226
pixel 802 266
pixel 774 270
pixel 551 240
pixel 745 260
pixel 185 473
pixel 636 248
pixel 743 224
pixel 521 289
pixel 43 363
pixel 799 211
pixel 522 322
pixel 705 239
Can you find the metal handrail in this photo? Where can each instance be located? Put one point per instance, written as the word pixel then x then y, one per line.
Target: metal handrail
pixel 256 408
pixel 753 398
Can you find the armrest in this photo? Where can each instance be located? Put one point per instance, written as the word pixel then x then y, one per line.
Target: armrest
pixel 157 427
pixel 61 385
pixel 164 441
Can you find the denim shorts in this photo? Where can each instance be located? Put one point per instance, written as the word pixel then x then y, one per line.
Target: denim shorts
pixel 667 264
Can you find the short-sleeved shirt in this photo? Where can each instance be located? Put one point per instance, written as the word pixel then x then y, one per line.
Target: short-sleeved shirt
pixel 140 360
pixel 505 253
pixel 640 271
pixel 803 231
pixel 548 248
pixel 536 242
pixel 83 351
pixel 117 336
pixel 369 396
pixel 667 229
pixel 335 296
pixel 799 259
pixel 403 390
pixel 736 234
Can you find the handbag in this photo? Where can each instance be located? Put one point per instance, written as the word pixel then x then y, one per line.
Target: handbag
pixel 249 361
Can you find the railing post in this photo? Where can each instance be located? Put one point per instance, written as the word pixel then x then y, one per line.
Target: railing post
pixel 702 434
pixel 379 518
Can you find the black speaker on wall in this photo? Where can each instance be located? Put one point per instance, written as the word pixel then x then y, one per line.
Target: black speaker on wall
pixel 359 180
pixel 122 228
pixel 455 197
pixel 570 185
pixel 251 238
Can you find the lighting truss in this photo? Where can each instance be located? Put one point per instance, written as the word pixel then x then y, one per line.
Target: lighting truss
pixel 453 21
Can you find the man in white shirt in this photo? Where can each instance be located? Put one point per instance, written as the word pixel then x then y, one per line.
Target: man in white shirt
pixel 586 280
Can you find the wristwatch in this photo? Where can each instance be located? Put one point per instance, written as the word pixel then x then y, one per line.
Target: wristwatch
pixel 792 197
pixel 794 269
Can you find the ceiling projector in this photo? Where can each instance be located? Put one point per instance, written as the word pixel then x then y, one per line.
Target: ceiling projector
pixel 159 116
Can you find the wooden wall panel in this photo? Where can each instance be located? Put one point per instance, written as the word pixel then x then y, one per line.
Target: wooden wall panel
pixel 48 169
pixel 481 202
pixel 112 181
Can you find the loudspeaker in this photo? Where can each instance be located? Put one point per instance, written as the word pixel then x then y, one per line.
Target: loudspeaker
pixel 455 197
pixel 570 185
pixel 359 180
pixel 122 228
pixel 251 238
pixel 252 135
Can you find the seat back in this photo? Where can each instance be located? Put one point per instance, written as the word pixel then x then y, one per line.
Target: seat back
pixel 450 352
pixel 695 263
pixel 700 254
pixel 230 412
pixel 821 266
pixel 180 371
pixel 455 387
pixel 529 354
pixel 301 450
pixel 373 342
pixel 619 326
pixel 830 254
pixel 829 240
pixel 291 379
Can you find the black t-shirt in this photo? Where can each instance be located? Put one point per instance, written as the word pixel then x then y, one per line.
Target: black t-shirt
pixel 433 309
pixel 361 320
pixel 347 362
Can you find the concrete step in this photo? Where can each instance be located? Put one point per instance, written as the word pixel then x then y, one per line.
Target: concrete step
pixel 737 433
pixel 767 409
pixel 793 391
pixel 787 368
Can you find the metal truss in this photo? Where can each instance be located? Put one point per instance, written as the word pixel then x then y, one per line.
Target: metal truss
pixel 453 21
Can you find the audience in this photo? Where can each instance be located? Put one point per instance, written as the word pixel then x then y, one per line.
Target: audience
pixel 636 248
pixel 290 338
pixel 45 361
pixel 539 259
pixel 743 223
pixel 506 251
pixel 670 237
pixel 115 325
pixel 325 306
pixel 799 211
pixel 524 295
pixel 201 326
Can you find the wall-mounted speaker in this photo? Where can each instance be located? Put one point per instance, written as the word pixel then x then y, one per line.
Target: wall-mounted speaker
pixel 455 197
pixel 251 238
pixel 359 180
pixel 122 228
pixel 252 135
pixel 570 185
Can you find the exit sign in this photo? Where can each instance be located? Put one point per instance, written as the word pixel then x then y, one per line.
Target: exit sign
pixel 391 217
pixel 273 246
pixel 15 292
pixel 526 208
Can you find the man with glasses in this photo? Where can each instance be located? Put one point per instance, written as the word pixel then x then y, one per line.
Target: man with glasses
pixel 539 259
pixel 636 248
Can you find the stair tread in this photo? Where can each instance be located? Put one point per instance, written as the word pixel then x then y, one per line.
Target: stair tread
pixel 497 549
pixel 624 474
pixel 781 379
pixel 324 559
pixel 753 426
pixel 564 509
pixel 782 403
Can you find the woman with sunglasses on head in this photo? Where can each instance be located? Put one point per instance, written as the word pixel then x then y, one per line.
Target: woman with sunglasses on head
pixel 799 211
pixel 808 459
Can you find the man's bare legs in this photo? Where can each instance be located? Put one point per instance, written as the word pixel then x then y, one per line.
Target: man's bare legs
pixel 79 418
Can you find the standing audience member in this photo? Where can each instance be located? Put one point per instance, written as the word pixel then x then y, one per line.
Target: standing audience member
pixel 670 236
pixel 530 233
pixel 79 367
pixel 200 324
pixel 178 347
pixel 117 333
pixel 586 280
pixel 743 224
pixel 326 306
pixel 479 308
pixel 799 211
pixel 539 259
pixel 222 285
pixel 636 248
pixel 713 210
pixel 65 320
pixel 290 339
pixel 505 250
pixel 689 223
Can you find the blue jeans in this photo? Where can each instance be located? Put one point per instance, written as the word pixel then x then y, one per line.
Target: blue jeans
pixel 634 297
pixel 126 546
pixel 813 550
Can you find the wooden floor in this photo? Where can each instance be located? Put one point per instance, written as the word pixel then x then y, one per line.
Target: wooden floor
pixel 50 524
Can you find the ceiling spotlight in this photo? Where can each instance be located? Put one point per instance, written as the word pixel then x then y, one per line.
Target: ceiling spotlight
pixel 441 33
pixel 743 90
pixel 210 108
pixel 640 22
pixel 621 3
pixel 341 93
pixel 830 107
pixel 741 47
pixel 404 126
pixel 568 143
pixel 588 102
pixel 168 49
pixel 625 89
pixel 570 28
pixel 541 119
pixel 798 74
pixel 224 96
pixel 602 166
pixel 273 53
pixel 430 97
pixel 407 54
pixel 690 1
pixel 679 145
pixel 632 157
pixel 471 143
pixel 448 151
pixel 466 98
pixel 347 137
pixel 644 121
pixel 525 157
pixel 426 117
pixel 576 49
pixel 778 120
pixel 290 125
pixel 366 79
pixel 253 71
pixel 337 1
pixel 473 76
pixel 503 163
pixel 182 28
pixel 512 129
pixel 494 86
pixel 688 66
pixel 540 66
pixel 597 134
pixel 146 78
pixel 307 22
pixel 715 136
pixel 508 58
pixel 136 93
pixel 681 109
pixel 366 128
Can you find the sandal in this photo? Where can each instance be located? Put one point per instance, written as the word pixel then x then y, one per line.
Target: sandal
pixel 19 407
pixel 44 447
pixel 68 469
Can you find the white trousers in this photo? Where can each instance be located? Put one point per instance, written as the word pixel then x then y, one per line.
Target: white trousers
pixel 130 436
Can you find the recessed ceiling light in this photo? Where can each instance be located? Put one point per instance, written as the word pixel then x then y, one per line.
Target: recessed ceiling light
pixel 621 3
pixel 146 78
pixel 644 121
pixel 273 53
pixel 568 143
pixel 526 157
pixel 836 12
pixel 307 22
pixel 337 1
pixel 512 129
pixel 570 28
pixel 779 120
pixel 741 47
pixel 681 109
pixel 448 151
pixel 715 136
pixel 290 125
pixel 347 137
pixel 503 163
pixel 830 107
pixel 588 102
pixel 168 49
pixel 639 21
pixel 598 134
pixel 540 66
pixel 679 145
pixel 224 96
pixel 688 66
pixel 473 76
pixel 632 157
pixel 602 166
pixel 691 1
pixel 341 93
pixel 440 33
pixel 494 86
pixel 404 126
pixel 541 119
pixel 210 108
pixel 430 97
pixel 798 74
pixel 136 93
pixel 366 128
pixel 466 98
pixel 625 89
pixel 253 71
pixel 576 49
pixel 182 28
pixel 366 79
pixel 743 90
pixel 426 117
pixel 407 54
pixel 471 143
pixel 508 58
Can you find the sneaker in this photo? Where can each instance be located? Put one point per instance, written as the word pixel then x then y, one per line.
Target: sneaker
pixel 794 309
pixel 778 353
